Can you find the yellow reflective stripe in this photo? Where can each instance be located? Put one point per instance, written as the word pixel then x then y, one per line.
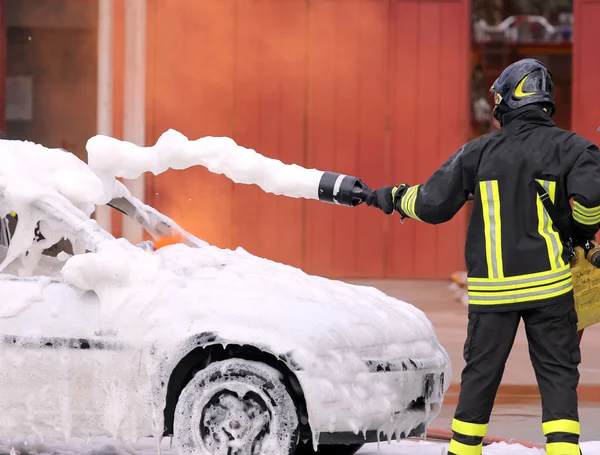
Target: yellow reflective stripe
pixel 546 227
pixel 523 291
pixel 561 426
pixel 562 448
pixel 463 449
pixel 586 215
pixel 485 208
pixel 591 211
pixel 469 429
pixel 477 300
pixel 409 199
pixel 409 194
pixel 588 221
pixel 519 281
pixel 554 230
pixel 490 205
pixel 413 203
pixel 498 233
pixel 403 202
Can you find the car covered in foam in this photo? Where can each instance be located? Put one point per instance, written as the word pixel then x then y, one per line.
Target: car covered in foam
pixel 227 352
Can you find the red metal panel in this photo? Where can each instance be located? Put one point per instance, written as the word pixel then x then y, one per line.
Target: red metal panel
pixel 454 118
pixel 346 131
pixel 404 100
pixel 247 203
pixel 320 139
pixel 429 122
pixel 291 62
pixel 193 65
pixel 318 98
pixel 586 69
pixel 373 48
pixel 269 117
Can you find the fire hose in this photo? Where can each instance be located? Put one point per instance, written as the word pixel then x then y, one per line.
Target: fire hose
pixel 446 435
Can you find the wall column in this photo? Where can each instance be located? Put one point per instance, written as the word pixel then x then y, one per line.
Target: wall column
pixel 105 88
pixel 134 98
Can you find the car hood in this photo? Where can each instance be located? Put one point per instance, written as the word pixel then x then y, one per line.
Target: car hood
pixel 178 291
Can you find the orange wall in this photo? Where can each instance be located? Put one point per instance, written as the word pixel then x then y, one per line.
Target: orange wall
pixel 376 89
pixel 586 69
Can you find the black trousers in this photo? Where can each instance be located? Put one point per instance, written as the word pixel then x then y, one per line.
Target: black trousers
pixel 554 351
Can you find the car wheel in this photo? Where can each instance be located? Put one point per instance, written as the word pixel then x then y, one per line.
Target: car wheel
pixel 334 449
pixel 235 407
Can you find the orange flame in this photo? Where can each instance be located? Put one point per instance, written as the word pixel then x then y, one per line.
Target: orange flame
pixel 166 241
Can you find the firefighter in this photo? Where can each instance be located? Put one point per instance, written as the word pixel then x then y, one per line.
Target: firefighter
pixel 522 178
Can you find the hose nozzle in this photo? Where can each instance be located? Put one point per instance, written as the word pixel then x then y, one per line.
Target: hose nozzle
pixel 342 189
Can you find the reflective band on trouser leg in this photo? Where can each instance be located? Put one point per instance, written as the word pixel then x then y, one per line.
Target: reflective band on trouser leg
pixel 562 448
pixel 469 429
pixel 490 205
pixel 561 426
pixel 458 448
pixel 546 228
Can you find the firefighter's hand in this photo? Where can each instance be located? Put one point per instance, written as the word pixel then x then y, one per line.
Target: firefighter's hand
pixel 382 199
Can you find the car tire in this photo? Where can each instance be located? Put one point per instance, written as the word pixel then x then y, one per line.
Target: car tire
pixel 334 449
pixel 235 407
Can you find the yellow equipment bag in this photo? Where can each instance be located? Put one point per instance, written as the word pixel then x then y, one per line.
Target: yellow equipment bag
pixel 586 287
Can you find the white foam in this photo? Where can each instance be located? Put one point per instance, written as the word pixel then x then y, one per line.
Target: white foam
pixel 154 303
pixel 220 155
pixel 106 446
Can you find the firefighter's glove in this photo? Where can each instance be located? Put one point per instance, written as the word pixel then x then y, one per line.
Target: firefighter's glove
pixel 382 199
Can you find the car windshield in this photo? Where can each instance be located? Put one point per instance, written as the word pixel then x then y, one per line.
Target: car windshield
pixel 154 222
pixel 82 234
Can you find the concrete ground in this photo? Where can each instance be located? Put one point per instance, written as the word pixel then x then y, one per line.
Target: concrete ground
pixel 522 422
pixel 517 412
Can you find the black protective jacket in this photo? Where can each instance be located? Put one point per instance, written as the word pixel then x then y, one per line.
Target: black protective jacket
pixel 515 257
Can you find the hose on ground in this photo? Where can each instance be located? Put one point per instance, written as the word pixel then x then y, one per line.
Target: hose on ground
pixel 446 435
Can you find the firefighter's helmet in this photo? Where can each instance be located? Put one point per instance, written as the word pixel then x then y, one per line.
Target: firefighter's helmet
pixel 527 81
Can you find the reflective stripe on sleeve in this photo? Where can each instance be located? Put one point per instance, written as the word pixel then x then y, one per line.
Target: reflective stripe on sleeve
pixel 408 202
pixel 585 215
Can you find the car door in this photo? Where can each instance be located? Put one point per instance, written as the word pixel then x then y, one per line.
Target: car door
pixel 60 373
